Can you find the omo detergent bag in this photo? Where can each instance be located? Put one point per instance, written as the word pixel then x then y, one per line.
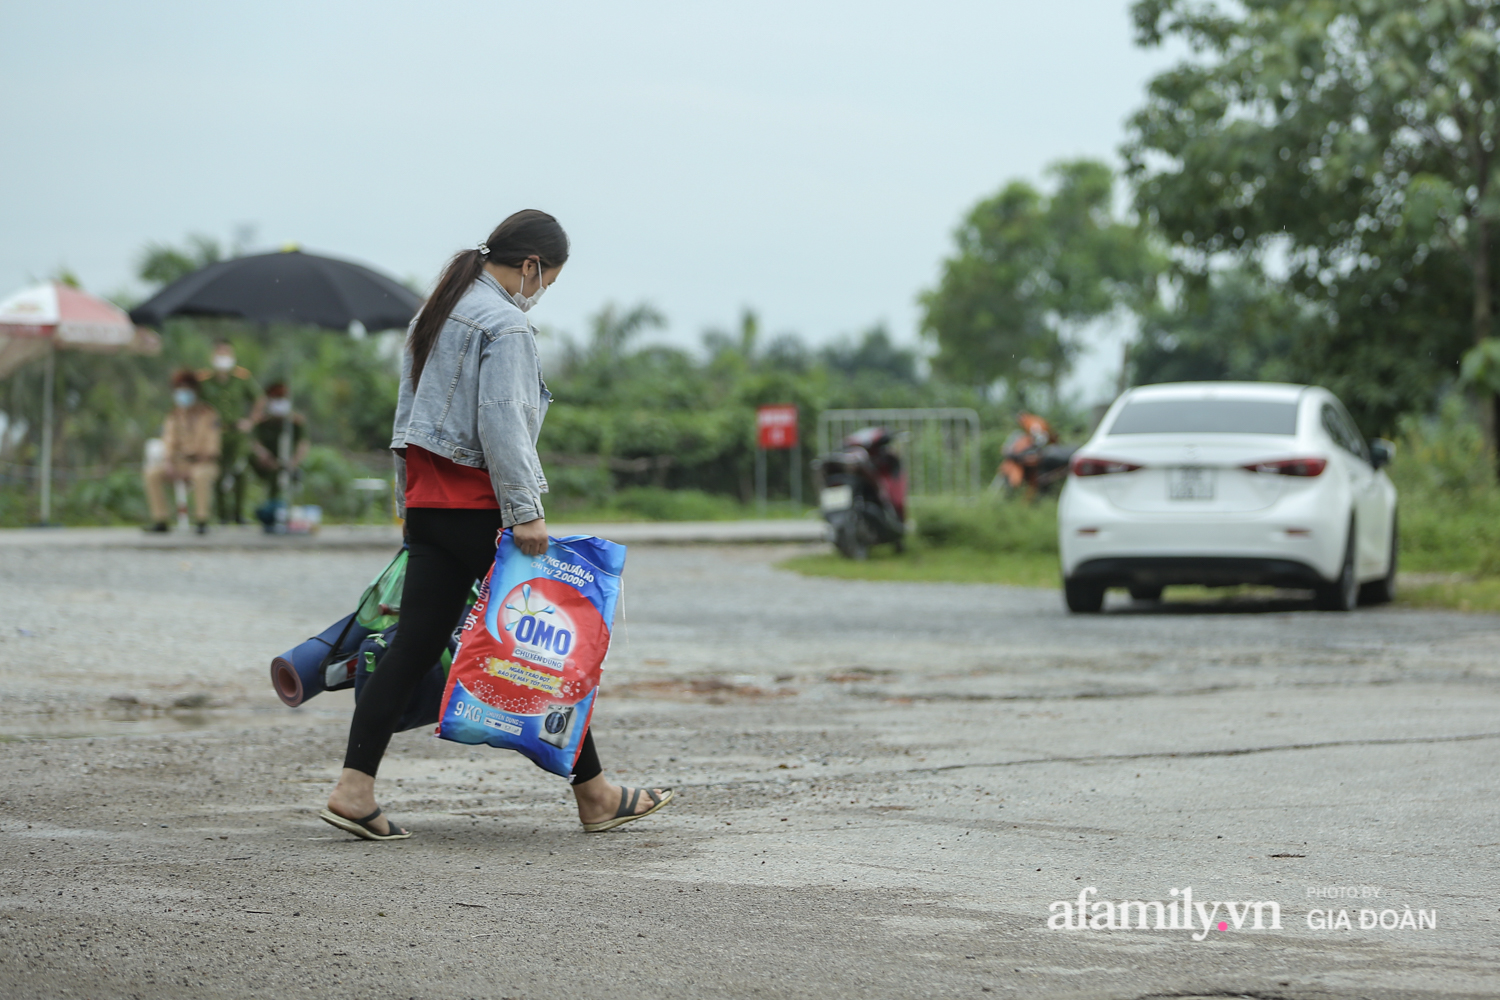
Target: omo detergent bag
pixel 530 651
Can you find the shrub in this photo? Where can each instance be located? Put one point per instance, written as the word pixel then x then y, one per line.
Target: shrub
pixel 656 504
pixel 1449 500
pixel 121 494
pixel 575 484
pixel 988 525
pixel 118 497
pixel 326 479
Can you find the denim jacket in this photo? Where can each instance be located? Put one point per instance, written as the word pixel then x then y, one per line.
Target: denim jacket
pixel 481 401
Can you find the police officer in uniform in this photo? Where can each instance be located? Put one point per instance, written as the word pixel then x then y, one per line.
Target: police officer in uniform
pixel 233 393
pixel 192 439
pixel 265 440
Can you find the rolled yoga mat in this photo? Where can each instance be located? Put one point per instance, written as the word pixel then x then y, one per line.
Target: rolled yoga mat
pixel 302 671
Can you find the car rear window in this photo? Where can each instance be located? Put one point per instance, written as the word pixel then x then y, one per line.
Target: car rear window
pixel 1206 416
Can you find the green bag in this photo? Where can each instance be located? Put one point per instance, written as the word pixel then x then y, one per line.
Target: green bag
pixel 384 590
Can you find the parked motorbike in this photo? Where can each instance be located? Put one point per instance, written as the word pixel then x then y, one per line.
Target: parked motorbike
pixel 863 494
pixel 1031 461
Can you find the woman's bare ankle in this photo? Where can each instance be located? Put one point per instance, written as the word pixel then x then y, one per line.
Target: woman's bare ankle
pixel 594 793
pixel 354 796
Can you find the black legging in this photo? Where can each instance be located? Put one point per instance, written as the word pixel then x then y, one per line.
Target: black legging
pixel 449 550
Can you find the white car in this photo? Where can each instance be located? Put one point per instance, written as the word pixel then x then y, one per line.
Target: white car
pixel 1222 483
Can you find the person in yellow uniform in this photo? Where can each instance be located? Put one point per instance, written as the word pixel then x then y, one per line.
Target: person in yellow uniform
pixel 192 439
pixel 234 395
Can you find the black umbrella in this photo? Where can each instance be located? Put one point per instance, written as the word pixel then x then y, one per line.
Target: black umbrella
pixel 286 287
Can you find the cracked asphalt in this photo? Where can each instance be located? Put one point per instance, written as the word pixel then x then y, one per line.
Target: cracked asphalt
pixel 886 790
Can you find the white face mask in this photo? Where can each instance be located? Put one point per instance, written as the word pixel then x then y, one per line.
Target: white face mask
pixel 184 397
pixel 279 407
pixel 525 302
pixel 223 362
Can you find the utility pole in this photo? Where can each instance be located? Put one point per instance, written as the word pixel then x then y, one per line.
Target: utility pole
pixel 49 383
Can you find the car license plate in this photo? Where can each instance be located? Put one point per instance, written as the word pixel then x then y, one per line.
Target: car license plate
pixel 1190 482
pixel 837 497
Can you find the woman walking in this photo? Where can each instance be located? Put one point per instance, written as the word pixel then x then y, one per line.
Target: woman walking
pixel 471 404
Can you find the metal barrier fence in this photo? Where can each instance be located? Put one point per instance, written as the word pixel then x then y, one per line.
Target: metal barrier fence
pixel 939 446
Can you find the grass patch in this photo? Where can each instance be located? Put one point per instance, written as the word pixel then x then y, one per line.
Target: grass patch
pixel 991 541
pixel 1461 595
pixel 989 525
pixel 934 565
pixel 651 503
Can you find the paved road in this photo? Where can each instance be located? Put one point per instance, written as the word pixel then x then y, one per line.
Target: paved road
pixel 885 788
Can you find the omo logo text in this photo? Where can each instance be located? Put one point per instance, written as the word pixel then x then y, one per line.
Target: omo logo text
pixel 544 629
pixel 532 631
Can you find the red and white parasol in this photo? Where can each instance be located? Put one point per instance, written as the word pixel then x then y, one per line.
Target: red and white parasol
pixel 54 315
pixel 38 321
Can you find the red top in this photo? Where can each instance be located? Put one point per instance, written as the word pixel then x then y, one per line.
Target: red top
pixel 434 481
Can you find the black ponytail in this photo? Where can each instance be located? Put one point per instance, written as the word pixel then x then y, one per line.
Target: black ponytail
pixel 526 234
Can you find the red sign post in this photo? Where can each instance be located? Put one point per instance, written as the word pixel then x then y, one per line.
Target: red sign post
pixel 776 427
pixel 776 430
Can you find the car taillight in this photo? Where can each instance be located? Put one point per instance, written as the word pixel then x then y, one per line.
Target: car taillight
pixel 1306 467
pixel 1082 466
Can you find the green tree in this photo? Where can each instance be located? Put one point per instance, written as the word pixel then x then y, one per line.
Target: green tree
pixel 735 352
pixel 1356 140
pixel 1030 269
pixel 162 264
pixel 873 353
pixel 632 415
pixel 612 329
pixel 1231 324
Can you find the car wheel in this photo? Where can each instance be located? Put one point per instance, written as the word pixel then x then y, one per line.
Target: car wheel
pixel 1083 598
pixel 1383 591
pixel 1343 593
pixel 1145 593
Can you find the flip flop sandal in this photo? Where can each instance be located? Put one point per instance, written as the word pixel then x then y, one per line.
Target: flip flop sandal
pixel 362 828
pixel 627 812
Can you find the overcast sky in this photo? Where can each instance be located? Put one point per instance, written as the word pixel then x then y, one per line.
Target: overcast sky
pixel 809 160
